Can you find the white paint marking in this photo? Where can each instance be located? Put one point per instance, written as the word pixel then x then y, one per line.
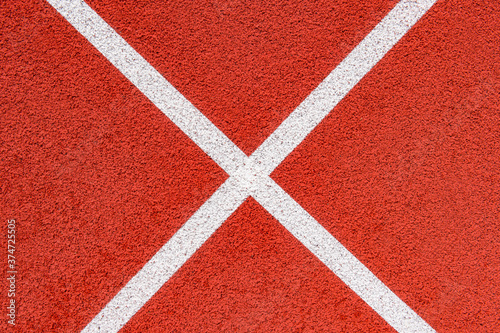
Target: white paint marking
pixel 249 174
pixel 338 259
pixel 158 270
pixel 339 82
pixel 154 86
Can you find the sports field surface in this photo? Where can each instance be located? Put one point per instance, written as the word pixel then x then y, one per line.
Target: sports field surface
pixel 250 166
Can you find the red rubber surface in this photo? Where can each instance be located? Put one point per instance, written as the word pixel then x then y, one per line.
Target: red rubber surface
pixel 96 177
pixel 254 276
pixel 404 172
pixel 245 65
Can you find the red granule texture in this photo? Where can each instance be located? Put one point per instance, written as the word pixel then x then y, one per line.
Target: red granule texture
pixel 404 172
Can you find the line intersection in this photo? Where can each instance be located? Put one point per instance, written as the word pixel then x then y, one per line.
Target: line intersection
pixel 249 176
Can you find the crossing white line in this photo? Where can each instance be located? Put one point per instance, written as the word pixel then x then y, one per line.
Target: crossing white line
pixel 151 83
pixel 339 82
pixel 158 270
pixel 338 259
pixel 249 175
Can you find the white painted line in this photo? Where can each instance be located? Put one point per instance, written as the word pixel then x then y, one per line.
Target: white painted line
pixel 249 174
pixel 154 86
pixel 338 259
pixel 339 82
pixel 158 270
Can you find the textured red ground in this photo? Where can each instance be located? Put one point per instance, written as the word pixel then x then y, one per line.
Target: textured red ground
pixel 97 178
pixel 245 64
pixel 254 276
pixel 404 172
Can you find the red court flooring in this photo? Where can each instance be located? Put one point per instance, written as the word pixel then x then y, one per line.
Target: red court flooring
pixel 404 172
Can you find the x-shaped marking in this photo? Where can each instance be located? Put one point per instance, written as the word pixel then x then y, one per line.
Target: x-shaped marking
pixel 249 176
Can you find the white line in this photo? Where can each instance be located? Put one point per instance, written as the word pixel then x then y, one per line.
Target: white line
pixel 189 238
pixel 248 174
pixel 339 82
pixel 337 258
pixel 154 86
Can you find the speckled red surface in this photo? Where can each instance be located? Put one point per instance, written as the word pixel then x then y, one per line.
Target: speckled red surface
pixel 404 172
